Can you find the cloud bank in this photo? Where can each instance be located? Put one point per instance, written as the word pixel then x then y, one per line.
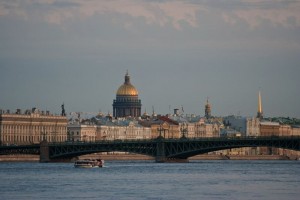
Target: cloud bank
pixel 166 12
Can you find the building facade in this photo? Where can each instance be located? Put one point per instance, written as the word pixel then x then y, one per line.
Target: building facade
pixel 127 103
pixel 166 129
pixel 205 129
pixel 252 127
pixel 82 133
pixel 246 126
pixel 237 126
pixel 31 127
pixel 269 129
pixel 128 132
pixel 109 131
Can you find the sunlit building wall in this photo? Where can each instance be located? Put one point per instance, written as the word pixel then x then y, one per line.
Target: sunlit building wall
pixel 31 127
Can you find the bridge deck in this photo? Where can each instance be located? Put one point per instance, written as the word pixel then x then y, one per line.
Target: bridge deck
pixel 161 149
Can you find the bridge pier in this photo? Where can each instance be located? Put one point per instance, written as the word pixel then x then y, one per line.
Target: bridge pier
pixel 44 152
pixel 160 152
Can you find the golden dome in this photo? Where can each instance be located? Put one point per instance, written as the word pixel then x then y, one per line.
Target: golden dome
pixel 127 88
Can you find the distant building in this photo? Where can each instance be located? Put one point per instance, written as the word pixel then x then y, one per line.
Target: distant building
pixel 31 127
pixel 295 131
pixel 179 126
pixel 127 131
pixel 163 126
pixel 245 125
pixel 269 129
pixel 206 129
pixel 82 132
pixel 237 126
pixel 237 123
pixel 252 126
pixel 127 102
pixel 276 129
pixel 107 129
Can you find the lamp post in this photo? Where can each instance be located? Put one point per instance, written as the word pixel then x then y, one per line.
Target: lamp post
pixel 184 129
pixel 160 130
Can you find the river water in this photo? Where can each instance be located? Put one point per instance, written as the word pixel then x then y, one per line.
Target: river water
pixel 220 179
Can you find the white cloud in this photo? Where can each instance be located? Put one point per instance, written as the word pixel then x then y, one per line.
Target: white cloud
pixel 162 13
pixel 283 13
pixel 155 12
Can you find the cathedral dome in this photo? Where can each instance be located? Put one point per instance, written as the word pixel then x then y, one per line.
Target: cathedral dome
pixel 127 89
pixel 127 103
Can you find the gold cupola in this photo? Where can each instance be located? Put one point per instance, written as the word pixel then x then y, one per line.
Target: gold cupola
pixel 127 89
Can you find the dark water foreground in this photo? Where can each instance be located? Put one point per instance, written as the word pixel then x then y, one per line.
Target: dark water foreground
pixel 219 179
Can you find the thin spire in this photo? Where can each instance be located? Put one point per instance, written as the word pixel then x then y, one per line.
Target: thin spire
pixel 259 107
pixel 259 103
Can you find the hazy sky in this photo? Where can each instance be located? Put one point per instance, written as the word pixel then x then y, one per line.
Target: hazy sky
pixel 177 53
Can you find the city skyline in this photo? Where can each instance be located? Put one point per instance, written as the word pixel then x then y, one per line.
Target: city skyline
pixel 177 53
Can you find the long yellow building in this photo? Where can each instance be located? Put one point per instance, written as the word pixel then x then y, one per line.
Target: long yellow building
pixel 31 127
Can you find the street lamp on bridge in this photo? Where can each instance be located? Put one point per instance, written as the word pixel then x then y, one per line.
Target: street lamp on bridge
pixel 184 129
pixel 162 128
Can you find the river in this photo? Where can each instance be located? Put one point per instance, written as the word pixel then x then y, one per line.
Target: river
pixel 217 179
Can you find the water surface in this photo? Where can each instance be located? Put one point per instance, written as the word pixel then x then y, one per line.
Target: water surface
pixel 222 179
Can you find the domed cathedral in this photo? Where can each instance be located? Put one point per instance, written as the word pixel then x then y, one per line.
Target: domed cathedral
pixel 127 103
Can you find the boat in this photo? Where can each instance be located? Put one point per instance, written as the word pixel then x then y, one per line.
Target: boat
pixel 89 163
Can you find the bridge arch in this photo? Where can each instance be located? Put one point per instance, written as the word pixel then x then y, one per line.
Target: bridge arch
pixel 186 150
pixel 74 150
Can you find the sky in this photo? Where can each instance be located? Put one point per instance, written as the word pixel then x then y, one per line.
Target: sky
pixel 177 53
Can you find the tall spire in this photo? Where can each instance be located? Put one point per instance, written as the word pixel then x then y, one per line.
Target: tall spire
pixel 207 109
pixel 259 107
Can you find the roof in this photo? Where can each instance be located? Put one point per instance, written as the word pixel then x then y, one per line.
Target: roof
pixel 167 119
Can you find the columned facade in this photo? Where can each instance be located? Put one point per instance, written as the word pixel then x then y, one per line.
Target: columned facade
pixel 127 103
pixel 32 127
pixel 127 106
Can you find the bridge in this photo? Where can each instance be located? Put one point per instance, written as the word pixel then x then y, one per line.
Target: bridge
pixel 163 150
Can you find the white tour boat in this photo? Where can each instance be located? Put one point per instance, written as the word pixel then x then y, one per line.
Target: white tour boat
pixel 89 163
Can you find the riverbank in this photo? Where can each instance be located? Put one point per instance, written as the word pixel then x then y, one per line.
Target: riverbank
pixel 108 157
pixel 19 158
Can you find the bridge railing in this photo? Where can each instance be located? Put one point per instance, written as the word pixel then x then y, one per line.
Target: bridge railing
pixel 162 139
pixel 177 139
